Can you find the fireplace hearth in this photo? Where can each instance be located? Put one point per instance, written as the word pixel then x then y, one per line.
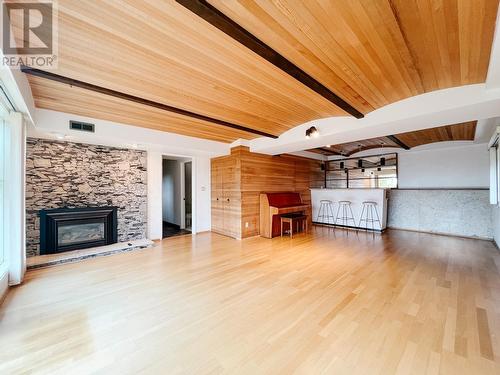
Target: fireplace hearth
pixel 67 229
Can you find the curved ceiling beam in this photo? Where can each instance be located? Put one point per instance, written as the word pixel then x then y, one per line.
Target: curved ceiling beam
pixel 429 110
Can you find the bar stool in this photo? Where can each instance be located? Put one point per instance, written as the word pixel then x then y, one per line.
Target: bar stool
pixel 325 212
pixel 347 214
pixel 367 216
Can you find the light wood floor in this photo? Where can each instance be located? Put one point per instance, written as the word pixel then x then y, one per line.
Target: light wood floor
pixel 403 303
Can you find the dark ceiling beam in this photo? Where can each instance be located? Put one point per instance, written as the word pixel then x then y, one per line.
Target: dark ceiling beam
pixel 397 141
pixel 330 151
pixel 222 22
pixel 136 99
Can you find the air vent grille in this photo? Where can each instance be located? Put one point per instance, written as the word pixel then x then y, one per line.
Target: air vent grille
pixel 82 126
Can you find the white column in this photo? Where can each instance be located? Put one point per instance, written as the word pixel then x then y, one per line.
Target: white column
pixel 154 172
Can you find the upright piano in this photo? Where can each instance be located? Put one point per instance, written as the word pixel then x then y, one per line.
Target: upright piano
pixel 272 205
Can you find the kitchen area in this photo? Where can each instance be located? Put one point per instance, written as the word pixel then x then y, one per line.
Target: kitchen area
pixel 354 192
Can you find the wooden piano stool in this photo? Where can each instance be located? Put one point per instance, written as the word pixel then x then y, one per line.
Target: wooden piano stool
pixel 293 220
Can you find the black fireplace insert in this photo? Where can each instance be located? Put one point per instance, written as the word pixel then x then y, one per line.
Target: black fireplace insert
pixel 66 229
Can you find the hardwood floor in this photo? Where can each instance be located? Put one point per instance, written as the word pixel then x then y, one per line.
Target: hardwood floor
pixel 326 303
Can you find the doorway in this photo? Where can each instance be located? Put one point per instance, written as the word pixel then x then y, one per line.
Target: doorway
pixel 176 196
pixel 188 195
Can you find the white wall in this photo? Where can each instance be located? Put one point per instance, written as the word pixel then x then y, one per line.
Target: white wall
pixel 452 167
pixel 154 180
pixel 201 200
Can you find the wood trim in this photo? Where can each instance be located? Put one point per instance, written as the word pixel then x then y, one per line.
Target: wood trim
pixel 222 22
pixel 136 99
pixel 439 233
pixel 398 142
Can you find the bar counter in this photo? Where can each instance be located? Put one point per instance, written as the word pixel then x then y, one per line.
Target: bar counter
pixel 356 197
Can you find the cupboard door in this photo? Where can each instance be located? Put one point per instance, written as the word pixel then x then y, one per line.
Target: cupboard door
pixel 230 185
pixel 217 198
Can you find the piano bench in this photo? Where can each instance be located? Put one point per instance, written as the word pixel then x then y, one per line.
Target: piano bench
pixel 292 220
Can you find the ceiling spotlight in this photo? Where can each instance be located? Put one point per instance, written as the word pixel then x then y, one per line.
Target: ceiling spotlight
pixel 328 146
pixel 312 132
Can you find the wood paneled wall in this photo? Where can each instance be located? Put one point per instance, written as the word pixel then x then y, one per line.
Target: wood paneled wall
pixel 253 174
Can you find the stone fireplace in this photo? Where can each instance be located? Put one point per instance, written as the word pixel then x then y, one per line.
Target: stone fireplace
pixel 69 229
pixel 63 174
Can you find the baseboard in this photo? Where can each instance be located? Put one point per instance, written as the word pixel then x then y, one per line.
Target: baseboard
pixel 351 227
pixel 443 234
pixel 4 286
pixel 496 244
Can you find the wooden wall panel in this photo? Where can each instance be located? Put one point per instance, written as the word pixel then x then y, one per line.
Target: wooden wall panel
pixel 265 173
pixel 251 175
pixel 226 196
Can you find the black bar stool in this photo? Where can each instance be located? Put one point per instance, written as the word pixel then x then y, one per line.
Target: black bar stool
pixel 345 214
pixel 369 207
pixel 325 212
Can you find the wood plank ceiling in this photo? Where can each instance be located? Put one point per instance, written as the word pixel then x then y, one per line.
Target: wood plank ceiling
pixel 457 132
pixel 370 53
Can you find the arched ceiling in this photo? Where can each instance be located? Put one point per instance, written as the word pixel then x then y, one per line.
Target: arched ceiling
pixel 456 132
pixel 369 53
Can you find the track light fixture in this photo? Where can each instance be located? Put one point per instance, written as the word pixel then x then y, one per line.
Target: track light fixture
pixel 312 132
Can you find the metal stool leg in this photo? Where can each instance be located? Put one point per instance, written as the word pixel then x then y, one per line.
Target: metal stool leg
pixel 319 212
pixel 352 216
pixel 378 218
pixel 330 207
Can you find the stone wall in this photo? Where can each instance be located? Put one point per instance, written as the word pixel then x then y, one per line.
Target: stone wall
pixel 455 212
pixel 66 174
